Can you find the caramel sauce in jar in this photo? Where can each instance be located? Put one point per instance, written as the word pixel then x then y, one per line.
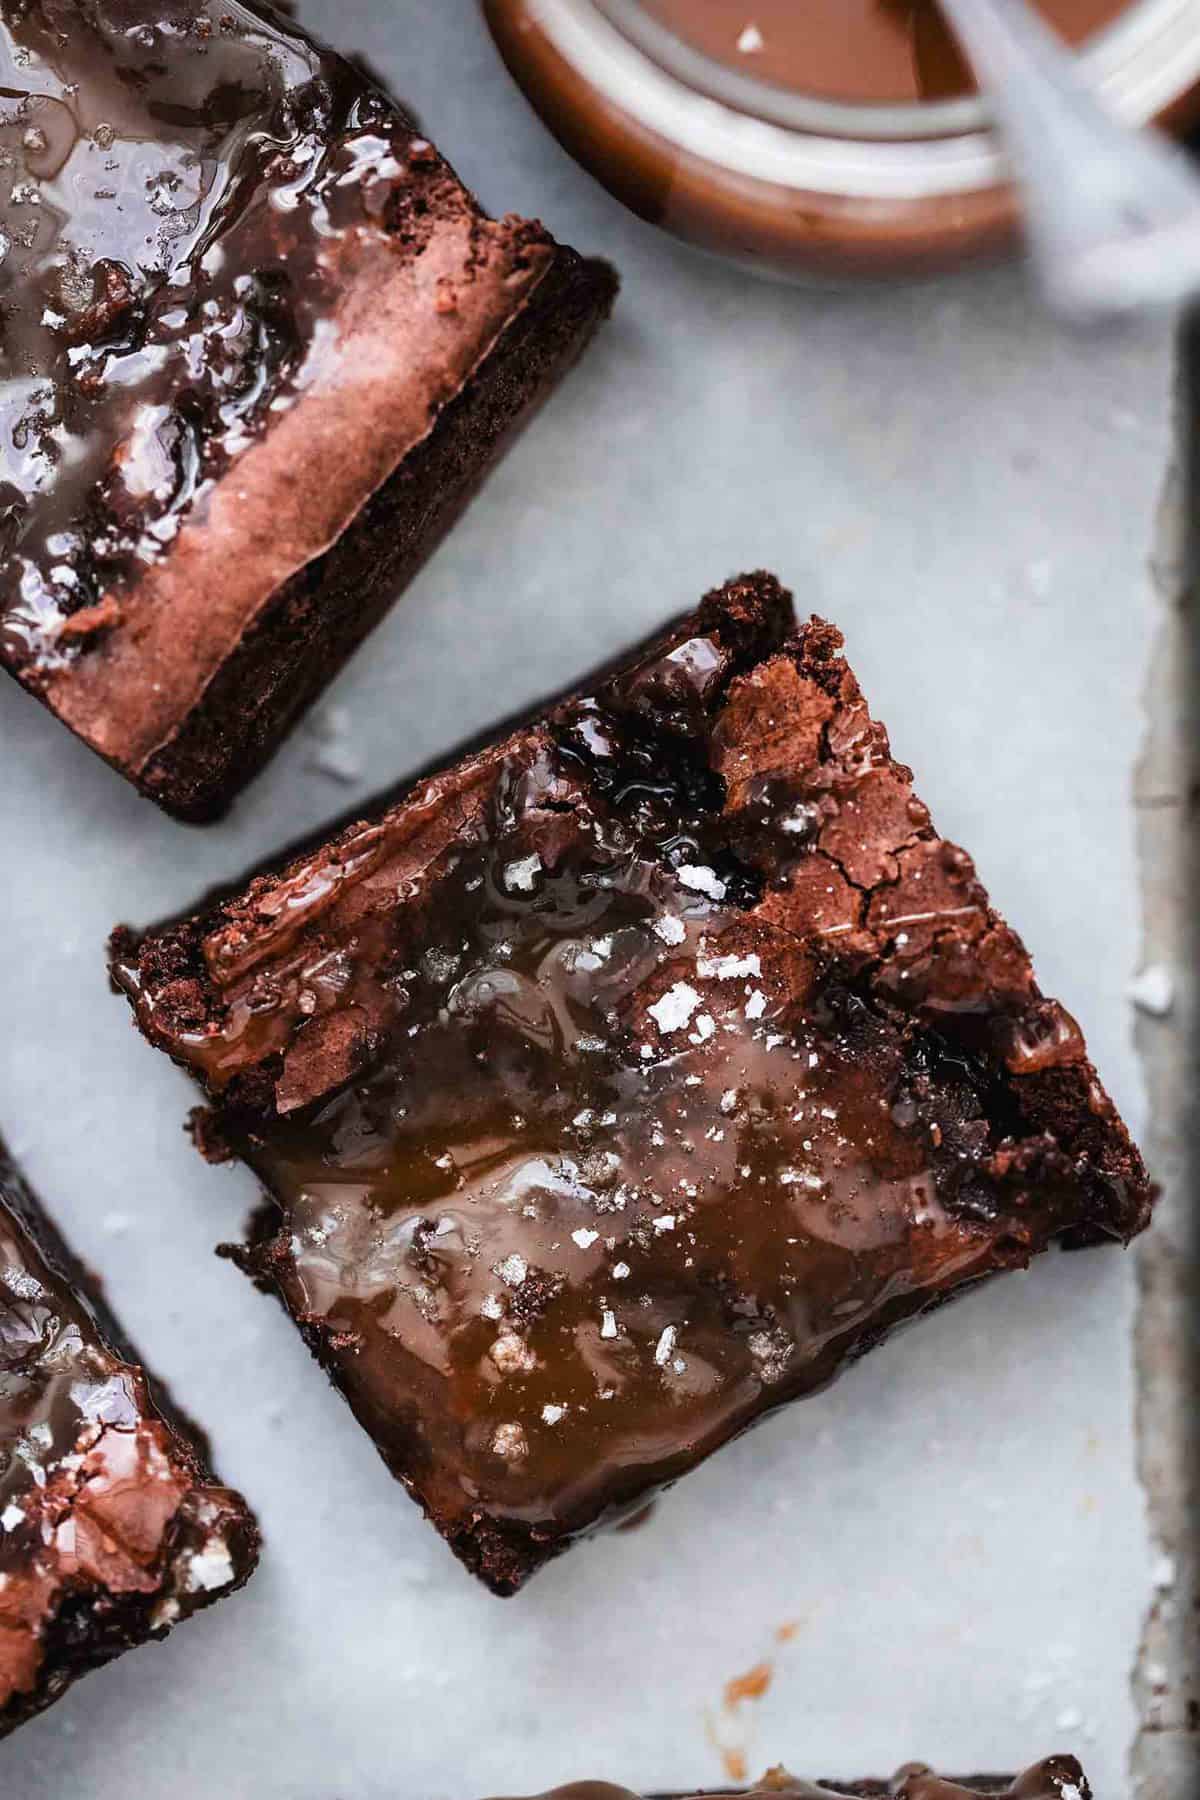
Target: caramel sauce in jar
pixel 838 138
pixel 850 50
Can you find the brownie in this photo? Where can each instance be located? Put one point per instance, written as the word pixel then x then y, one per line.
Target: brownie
pixel 1058 1778
pixel 265 346
pixel 112 1525
pixel 1055 1779
pixel 627 1079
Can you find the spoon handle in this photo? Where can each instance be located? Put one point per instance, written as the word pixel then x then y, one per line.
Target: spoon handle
pixel 1112 213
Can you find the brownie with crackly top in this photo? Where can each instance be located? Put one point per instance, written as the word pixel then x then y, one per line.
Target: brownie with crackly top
pixel 259 346
pixel 1057 1778
pixel 629 1078
pixel 112 1526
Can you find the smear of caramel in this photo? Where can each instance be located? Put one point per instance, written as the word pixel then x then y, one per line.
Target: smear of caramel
pixel 750 1686
pixel 735 1765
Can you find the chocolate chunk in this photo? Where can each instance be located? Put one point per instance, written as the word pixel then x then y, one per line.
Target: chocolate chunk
pixel 260 347
pixel 112 1526
pixel 631 1077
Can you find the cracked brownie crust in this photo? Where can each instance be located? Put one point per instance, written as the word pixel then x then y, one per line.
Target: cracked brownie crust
pixel 112 1526
pixel 1058 1778
pixel 629 1078
pixel 264 346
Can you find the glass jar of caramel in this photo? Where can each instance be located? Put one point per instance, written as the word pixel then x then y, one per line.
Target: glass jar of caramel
pixel 833 136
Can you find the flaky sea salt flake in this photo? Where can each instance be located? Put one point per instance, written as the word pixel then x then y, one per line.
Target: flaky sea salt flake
pixel 670 929
pixel 701 880
pixel 522 874
pixel 508 1442
pixel 728 968
pixel 210 1568
pixel 676 1007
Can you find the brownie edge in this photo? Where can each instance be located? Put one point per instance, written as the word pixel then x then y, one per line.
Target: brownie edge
pixel 112 1526
pixel 1057 1778
pixel 318 618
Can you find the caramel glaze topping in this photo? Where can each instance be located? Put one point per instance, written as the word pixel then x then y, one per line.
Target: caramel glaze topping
pixel 630 1078
pixel 179 188
pixel 106 1515
pixel 1058 1778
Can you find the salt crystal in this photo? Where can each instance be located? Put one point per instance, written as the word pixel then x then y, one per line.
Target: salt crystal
pixel 751 41
pixel 728 968
pixel 551 1414
pixel 585 1238
pixel 210 1568
pixel 665 1347
pixel 608 1324
pixel 513 1270
pixel 805 1178
pixel 665 1221
pixel 522 875
pixel 676 1007
pixel 701 880
pixel 512 1355
pixel 620 1271
pixel 508 1441
pixel 756 1005
pixel 670 929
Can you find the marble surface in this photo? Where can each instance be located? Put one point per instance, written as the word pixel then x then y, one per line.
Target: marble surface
pixel 954 1535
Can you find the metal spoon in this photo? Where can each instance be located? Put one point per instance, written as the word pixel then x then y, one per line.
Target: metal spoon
pixel 1112 214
